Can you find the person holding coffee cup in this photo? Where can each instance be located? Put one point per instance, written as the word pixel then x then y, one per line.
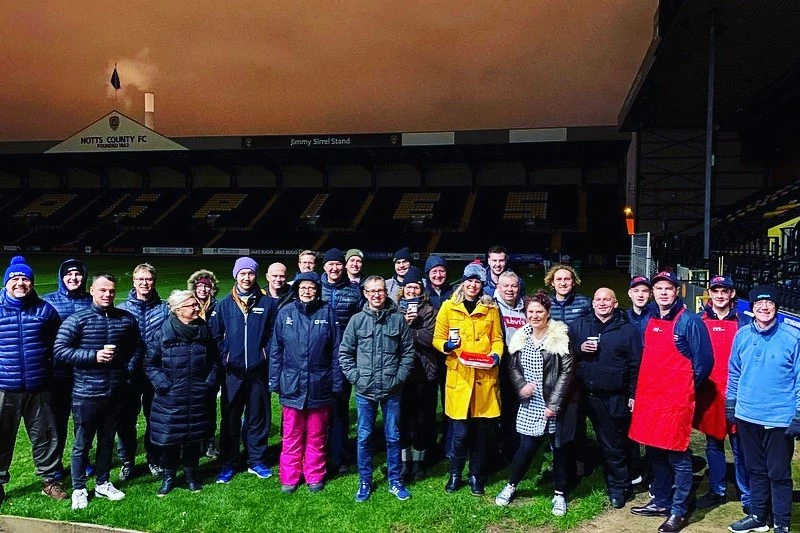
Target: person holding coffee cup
pixel 419 396
pixel 472 395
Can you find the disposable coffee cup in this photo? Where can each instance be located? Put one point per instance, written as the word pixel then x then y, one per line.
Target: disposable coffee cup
pixel 109 347
pixel 454 335
pixel 594 340
pixel 412 307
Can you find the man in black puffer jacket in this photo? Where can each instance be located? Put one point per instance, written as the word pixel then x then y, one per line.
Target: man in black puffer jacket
pixel 101 344
pixel 607 350
pixel 146 306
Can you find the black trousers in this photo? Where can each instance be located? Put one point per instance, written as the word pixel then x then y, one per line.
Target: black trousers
pixel 339 430
pixel 138 398
pixel 528 446
pixel 509 399
pixel 769 463
pixel 186 455
pixel 35 408
pixel 611 430
pixel 94 416
pixel 418 415
pixel 245 394
pixel 473 438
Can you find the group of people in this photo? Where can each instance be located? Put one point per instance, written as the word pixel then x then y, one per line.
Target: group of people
pixel 509 368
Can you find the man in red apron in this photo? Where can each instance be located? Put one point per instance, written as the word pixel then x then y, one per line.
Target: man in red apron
pixel 677 358
pixel 722 321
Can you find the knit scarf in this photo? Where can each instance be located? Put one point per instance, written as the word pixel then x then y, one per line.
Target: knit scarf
pixel 187 332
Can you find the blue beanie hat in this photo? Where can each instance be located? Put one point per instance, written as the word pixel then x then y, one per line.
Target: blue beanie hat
pixel 242 263
pixel 434 261
pixel 18 267
pixel 414 275
pixel 475 271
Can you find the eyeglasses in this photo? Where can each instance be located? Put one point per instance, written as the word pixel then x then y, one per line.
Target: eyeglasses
pixel 374 292
pixel 307 289
pixel 764 303
pixel 194 305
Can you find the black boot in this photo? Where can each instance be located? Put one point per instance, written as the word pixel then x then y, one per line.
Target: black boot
pixel 455 482
pixel 191 480
pixel 418 465
pixel 476 485
pixel 167 482
pixel 405 471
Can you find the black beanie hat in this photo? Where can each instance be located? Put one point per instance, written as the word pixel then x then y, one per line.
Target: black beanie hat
pixel 403 253
pixel 414 275
pixel 334 254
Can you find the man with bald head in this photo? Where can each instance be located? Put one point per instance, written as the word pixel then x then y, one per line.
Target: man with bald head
pixel 607 350
pixel 277 288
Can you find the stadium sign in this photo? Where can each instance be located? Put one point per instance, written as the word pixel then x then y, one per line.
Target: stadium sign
pixel 166 250
pixel 360 140
pixel 115 133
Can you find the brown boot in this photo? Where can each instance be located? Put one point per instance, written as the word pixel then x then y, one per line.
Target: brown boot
pixel 54 489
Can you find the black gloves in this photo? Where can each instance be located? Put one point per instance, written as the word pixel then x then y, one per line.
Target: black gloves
pixel 794 428
pixel 730 409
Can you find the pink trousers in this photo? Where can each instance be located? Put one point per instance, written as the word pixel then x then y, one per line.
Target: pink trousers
pixel 305 444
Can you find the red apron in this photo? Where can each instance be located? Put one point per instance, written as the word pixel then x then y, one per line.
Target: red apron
pixel 709 417
pixel 662 415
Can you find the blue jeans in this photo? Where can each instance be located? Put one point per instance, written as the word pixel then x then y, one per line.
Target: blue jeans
pixel 672 479
pixel 367 411
pixel 717 468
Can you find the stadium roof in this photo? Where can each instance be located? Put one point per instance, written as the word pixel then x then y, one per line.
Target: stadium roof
pixel 119 140
pixel 757 66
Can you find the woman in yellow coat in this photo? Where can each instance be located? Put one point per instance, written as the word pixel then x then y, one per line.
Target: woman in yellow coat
pixel 468 332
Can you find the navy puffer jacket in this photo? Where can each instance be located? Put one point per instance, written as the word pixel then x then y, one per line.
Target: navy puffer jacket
pixel 83 334
pixel 304 366
pixel 184 373
pixel 28 327
pixel 575 306
pixel 67 303
pixel 343 298
pixel 150 314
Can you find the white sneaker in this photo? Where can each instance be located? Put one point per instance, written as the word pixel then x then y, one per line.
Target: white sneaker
pixel 107 490
pixel 80 499
pixel 505 495
pixel 559 505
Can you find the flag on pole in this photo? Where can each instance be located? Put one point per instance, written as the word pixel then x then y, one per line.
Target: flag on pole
pixel 115 80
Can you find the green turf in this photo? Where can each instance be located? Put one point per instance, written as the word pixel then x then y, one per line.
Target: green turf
pixel 249 504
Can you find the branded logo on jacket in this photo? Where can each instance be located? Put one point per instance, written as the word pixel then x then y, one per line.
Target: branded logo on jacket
pixel 514 321
pixel 289 321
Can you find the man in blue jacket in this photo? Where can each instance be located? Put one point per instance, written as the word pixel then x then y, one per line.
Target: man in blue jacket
pixel 763 399
pixel 437 287
pixel 70 297
pixel 102 345
pixel 146 306
pixel 639 291
pixel 28 327
pixel 677 359
pixel 345 300
pixel 242 324
pixel 497 261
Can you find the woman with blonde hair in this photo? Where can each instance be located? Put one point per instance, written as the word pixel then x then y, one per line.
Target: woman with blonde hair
pixel 469 333
pixel 183 364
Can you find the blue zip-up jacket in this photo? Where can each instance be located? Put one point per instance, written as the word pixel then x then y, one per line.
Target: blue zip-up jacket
pixel 303 360
pixel 83 334
pixel 28 327
pixel 68 303
pixel 243 336
pixel 149 314
pixel 437 297
pixel 490 285
pixel 764 374
pixel 343 299
pixel 691 339
pixel 575 306
pixel 639 319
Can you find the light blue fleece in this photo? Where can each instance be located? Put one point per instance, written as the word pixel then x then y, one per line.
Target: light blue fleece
pixel 764 374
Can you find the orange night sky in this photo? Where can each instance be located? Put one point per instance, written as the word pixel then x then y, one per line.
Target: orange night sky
pixel 268 67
